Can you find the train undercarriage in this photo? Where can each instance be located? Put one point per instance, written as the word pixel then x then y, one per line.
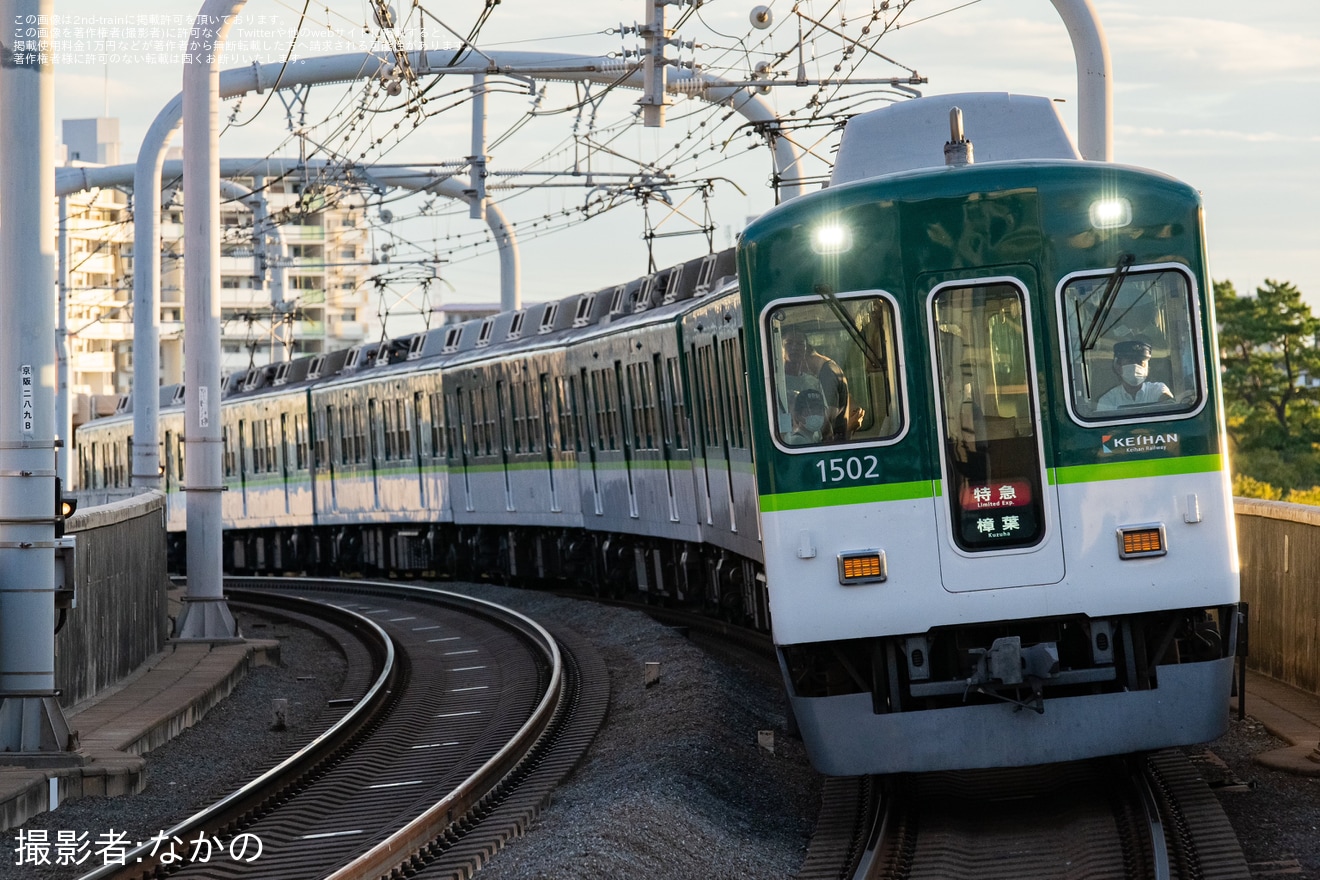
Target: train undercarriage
pixel 699 576
pixel 1025 662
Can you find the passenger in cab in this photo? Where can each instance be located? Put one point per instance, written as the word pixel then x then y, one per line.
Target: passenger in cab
pixel 808 418
pixel 805 367
pixel 1132 365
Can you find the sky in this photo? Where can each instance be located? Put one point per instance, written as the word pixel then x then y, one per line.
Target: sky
pixel 1219 94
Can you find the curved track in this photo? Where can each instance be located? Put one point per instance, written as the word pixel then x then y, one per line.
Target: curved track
pixel 472 717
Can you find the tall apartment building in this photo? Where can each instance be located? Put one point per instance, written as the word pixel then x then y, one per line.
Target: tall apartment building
pixel 319 253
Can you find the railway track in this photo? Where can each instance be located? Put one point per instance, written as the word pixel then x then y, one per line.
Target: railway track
pixel 456 721
pixel 1136 817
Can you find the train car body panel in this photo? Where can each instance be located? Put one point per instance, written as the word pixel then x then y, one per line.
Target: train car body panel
pixel 968 737
pixel 964 510
pixel 715 358
pixel 956 432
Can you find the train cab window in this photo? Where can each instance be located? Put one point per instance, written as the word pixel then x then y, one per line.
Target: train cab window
pixel 833 371
pixel 1131 345
pixel 992 461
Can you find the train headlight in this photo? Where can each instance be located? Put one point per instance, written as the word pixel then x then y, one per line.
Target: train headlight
pixel 1111 213
pixel 831 239
pixel 1135 542
pixel 862 567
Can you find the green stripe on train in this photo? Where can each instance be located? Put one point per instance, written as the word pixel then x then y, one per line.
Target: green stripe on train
pixel 848 495
pixel 1091 473
pixel 1150 467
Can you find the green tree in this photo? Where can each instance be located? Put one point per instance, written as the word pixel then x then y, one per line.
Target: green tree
pixel 1269 355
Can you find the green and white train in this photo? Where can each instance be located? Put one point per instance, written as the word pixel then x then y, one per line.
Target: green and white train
pixel 954 437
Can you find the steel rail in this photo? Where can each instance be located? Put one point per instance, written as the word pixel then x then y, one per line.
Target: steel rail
pixel 251 795
pixel 408 841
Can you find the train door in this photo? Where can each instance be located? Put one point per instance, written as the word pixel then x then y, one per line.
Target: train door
pixel 243 464
pixel 715 439
pixel 591 392
pixel 502 415
pixel 169 462
pixel 629 431
pixel 701 428
pixel 547 436
pixel 286 460
pixel 374 450
pixel 333 447
pixel 665 403
pixel 468 438
pixel 995 508
pixel 419 439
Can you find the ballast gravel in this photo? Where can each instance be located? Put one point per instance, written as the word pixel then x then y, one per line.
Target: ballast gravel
pixel 674 786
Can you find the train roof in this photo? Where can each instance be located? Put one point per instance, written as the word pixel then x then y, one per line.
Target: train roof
pixel 910 135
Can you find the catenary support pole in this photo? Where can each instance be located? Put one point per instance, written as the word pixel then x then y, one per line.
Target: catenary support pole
pixel 205 614
pixel 146 293
pixel 32 725
pixel 63 418
pixel 1095 79
pixel 478 158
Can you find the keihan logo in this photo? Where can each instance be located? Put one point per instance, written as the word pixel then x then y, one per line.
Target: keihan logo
pixel 1111 444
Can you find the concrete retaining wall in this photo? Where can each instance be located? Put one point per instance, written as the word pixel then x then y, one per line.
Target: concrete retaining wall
pixel 121 618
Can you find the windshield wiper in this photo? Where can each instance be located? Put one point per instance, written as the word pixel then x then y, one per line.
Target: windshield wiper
pixel 873 357
pixel 1107 300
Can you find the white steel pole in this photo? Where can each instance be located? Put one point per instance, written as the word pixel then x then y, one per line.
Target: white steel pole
pixel 1095 79
pixel 63 418
pixel 205 615
pixel 477 175
pixel 31 721
pixel 146 294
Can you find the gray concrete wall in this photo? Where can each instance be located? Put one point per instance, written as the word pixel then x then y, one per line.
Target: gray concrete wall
pixel 121 618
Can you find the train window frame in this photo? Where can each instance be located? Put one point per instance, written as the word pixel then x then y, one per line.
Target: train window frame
pixel 898 386
pixel 1069 362
pixel 1039 504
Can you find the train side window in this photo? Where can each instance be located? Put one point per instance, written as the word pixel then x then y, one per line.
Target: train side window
pixel 444 406
pixel 566 399
pixel 300 423
pixel 258 446
pixel 542 415
pixel 322 442
pixel 406 410
pixel 833 370
pixel 1131 344
pixel 675 387
pixel 346 435
pixel 362 452
pixel 992 464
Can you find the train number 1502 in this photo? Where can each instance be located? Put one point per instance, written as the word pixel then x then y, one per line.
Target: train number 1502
pixel 854 468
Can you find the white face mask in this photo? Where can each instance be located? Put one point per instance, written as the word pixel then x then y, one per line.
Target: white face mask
pixel 814 423
pixel 1134 374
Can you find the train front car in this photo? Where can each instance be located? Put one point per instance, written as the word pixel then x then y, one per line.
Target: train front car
pixel 994 493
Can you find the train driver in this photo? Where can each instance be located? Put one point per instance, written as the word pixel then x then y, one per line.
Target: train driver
pixel 804 367
pixel 1132 365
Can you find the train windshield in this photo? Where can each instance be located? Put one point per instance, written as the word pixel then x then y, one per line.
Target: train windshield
pixel 1131 345
pixel 992 458
pixel 832 371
